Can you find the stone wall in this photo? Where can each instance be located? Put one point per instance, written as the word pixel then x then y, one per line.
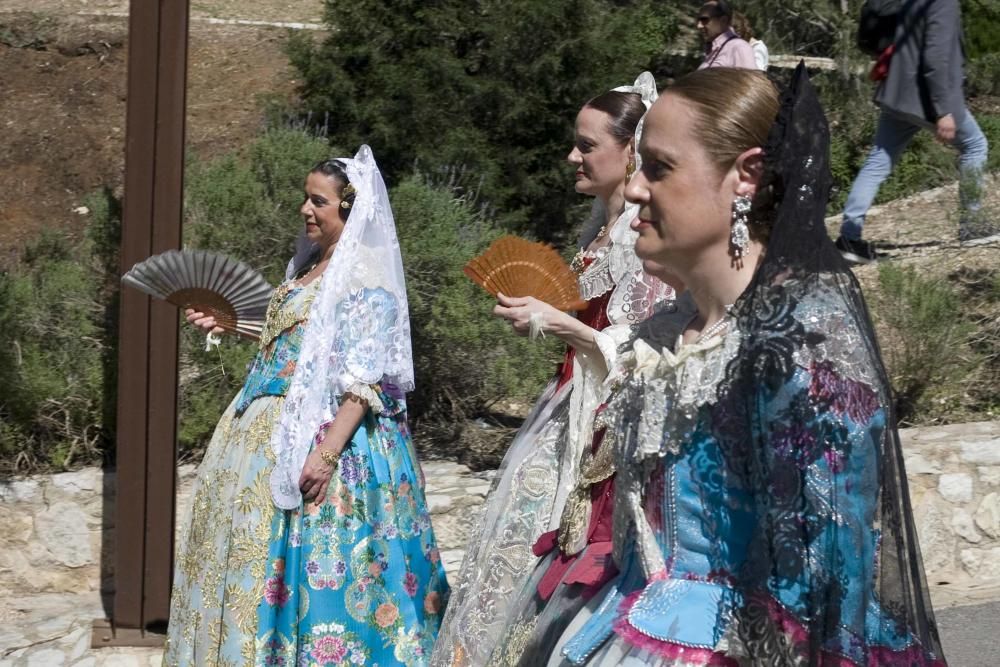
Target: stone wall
pixel 57 532
pixel 954 474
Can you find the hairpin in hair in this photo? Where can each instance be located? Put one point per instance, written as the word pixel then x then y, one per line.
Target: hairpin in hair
pixel 348 190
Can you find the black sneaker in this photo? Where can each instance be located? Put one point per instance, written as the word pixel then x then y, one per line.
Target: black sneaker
pixel 971 235
pixel 856 251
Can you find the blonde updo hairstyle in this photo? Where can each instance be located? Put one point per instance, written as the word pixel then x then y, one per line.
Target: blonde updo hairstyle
pixel 734 110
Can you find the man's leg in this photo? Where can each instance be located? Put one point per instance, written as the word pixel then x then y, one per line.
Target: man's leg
pixel 891 138
pixel 973 151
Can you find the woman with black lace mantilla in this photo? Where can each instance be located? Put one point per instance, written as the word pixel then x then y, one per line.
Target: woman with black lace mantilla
pixel 761 507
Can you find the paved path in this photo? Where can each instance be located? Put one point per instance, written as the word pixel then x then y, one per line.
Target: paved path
pixel 971 635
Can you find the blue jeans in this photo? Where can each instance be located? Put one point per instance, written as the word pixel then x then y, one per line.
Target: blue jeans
pixel 891 138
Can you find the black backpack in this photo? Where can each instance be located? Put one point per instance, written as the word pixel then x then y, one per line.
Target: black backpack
pixel 877 25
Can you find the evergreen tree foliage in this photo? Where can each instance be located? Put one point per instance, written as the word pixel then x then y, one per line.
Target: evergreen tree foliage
pixel 488 85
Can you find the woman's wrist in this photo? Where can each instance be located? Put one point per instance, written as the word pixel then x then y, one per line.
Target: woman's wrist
pixel 329 456
pixel 569 328
pixel 559 323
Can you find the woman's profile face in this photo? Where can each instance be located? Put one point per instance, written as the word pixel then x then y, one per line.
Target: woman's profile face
pixel 685 202
pixel 321 209
pixel 599 159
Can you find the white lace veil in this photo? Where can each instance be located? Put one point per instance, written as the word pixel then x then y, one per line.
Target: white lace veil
pixel 358 330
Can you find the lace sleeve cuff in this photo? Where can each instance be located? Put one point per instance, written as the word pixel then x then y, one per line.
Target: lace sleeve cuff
pixel 597 364
pixel 367 393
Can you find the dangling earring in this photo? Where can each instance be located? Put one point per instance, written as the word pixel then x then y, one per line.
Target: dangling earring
pixel 629 170
pixel 739 234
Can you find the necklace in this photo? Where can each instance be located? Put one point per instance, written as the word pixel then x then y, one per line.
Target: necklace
pixel 716 327
pixel 307 277
pixel 579 259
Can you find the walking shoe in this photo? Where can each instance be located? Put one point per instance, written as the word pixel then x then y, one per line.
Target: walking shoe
pixel 970 235
pixel 856 251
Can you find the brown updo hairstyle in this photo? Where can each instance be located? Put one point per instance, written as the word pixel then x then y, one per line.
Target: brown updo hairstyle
pixel 734 111
pixel 336 171
pixel 624 112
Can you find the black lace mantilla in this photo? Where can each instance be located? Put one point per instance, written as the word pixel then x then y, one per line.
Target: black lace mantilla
pixel 800 263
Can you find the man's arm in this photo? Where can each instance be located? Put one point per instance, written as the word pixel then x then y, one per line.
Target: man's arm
pixel 940 34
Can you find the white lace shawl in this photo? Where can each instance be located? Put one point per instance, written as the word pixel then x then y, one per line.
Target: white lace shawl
pixel 357 332
pixel 635 296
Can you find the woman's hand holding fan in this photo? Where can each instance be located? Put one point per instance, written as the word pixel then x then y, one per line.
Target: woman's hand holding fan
pixel 202 321
pixel 516 267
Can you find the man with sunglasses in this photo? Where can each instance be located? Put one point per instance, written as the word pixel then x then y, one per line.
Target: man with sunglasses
pixel 723 47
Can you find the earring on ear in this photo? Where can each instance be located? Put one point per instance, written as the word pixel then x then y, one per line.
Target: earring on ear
pixel 629 170
pixel 739 234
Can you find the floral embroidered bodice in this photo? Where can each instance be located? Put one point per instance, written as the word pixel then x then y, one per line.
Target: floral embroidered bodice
pixel 280 342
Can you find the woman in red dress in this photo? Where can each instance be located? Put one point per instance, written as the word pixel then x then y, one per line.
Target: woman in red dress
pixel 554 473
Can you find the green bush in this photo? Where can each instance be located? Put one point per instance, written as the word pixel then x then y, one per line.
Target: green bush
pixel 982 75
pixel 804 27
pixel 990 125
pixel 980 28
pixel 465 359
pixel 52 350
pixel 490 85
pixel 926 339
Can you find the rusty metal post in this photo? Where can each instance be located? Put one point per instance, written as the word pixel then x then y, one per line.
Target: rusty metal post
pixel 148 336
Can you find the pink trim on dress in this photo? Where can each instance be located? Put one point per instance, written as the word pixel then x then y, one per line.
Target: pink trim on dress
pixel 878 656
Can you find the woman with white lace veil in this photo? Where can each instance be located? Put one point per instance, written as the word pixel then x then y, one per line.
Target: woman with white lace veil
pixel 761 510
pixel 540 471
pixel 309 540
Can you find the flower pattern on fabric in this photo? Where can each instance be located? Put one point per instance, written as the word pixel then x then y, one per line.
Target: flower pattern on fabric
pixel 367 553
pixel 330 644
pixel 764 547
pixel 341 583
pixel 272 369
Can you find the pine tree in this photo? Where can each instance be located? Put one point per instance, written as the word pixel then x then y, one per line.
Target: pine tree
pixel 487 86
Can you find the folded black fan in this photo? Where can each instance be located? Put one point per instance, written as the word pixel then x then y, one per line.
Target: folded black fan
pixel 227 289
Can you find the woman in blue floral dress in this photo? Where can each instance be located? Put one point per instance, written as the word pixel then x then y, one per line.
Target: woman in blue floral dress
pixel 309 541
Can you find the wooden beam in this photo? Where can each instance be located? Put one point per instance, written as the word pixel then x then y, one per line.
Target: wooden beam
pixel 148 336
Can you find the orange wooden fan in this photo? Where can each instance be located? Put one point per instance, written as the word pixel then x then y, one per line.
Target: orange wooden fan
pixel 518 267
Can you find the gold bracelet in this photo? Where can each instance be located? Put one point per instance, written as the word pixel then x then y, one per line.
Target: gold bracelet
pixel 329 457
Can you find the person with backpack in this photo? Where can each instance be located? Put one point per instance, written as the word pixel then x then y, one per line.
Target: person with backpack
pixel 919 72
